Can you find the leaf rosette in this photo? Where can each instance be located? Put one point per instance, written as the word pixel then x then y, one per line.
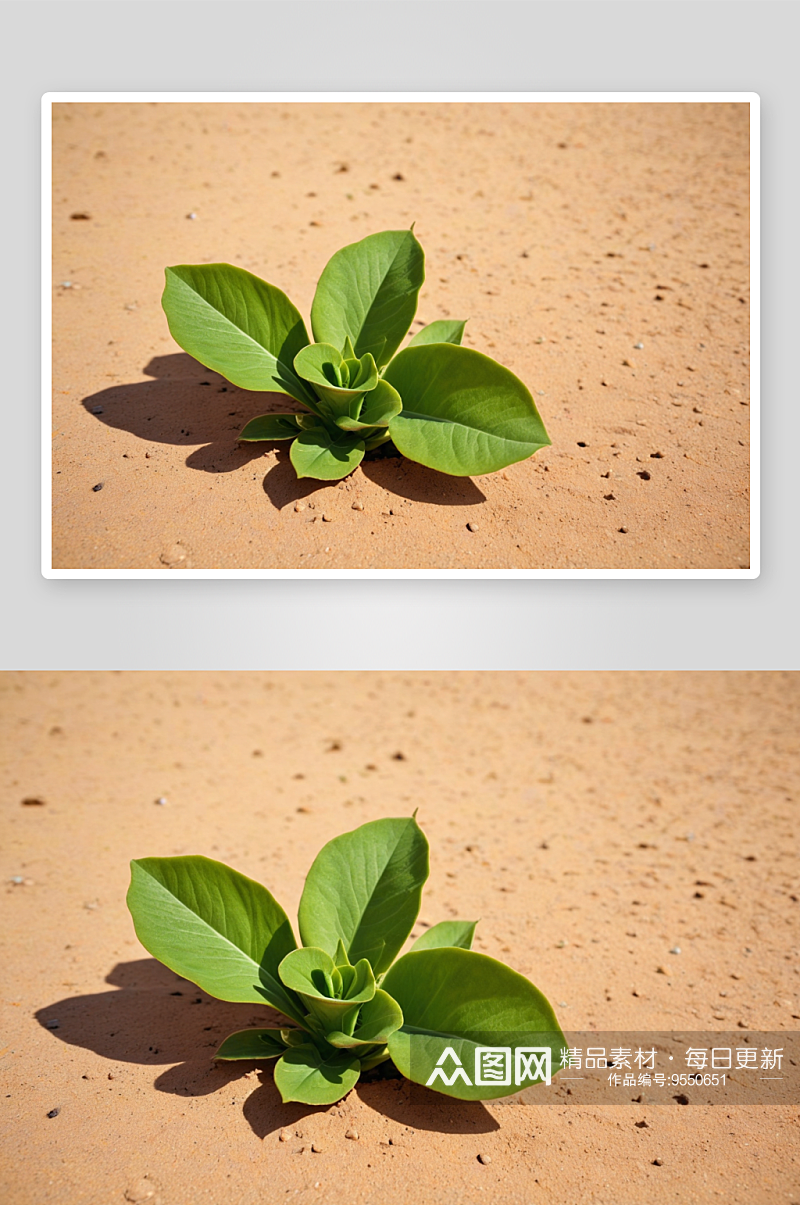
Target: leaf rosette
pixel 441 404
pixel 352 1002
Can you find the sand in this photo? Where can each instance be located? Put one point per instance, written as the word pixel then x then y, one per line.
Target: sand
pixel 566 234
pixel 574 813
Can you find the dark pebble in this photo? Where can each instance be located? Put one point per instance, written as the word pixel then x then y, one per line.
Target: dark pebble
pixel 97 410
pixel 96 488
pixel 54 1112
pixel 53 1024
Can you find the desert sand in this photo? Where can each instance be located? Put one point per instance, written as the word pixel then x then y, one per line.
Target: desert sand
pixel 600 251
pixel 575 814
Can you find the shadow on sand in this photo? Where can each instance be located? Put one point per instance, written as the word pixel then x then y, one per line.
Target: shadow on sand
pixel 186 404
pixel 156 1018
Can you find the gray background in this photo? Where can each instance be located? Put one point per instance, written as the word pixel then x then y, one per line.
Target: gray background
pixel 438 45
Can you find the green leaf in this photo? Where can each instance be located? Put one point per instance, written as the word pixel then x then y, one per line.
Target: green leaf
pixel 447 933
pixel 295 1037
pixel 379 406
pixel 364 889
pixel 237 325
pixel 340 958
pixel 322 365
pixel 331 994
pixel 213 926
pixel 378 1018
pixel 375 441
pixel 252 1044
pixel 317 453
pixel 445 330
pixel 459 1000
pixel 463 413
pixel 306 1075
pixel 368 293
pixel 271 426
pixel 369 1060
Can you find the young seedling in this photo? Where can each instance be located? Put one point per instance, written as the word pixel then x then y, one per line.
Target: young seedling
pixel 438 1008
pixel 441 404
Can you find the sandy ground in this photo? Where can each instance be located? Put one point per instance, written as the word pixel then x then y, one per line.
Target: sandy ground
pixel 574 813
pixel 566 234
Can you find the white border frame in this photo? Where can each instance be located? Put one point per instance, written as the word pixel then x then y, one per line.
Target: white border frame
pixel 751 98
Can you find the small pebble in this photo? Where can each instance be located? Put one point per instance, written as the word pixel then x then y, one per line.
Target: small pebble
pixel 658 1163
pixel 173 556
pixel 161 801
pixel 351 1134
pixel 54 1112
pixel 299 506
pixel 191 216
pixel 484 1158
pixel 327 518
pixel 33 801
pixel 638 346
pixel 662 971
pixel 137 1194
pixel 53 1024
pixel 623 530
pixel 99 486
pixel 472 527
pixel 66 284
pixel 675 950
pixel 357 505
pixel 285 1135
pixel 17 880
pixel 316 1148
pixel 97 409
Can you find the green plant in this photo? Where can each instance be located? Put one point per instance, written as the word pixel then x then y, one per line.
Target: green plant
pixel 352 1005
pixel 442 405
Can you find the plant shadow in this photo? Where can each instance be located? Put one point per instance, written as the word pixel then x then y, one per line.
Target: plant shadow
pixel 185 405
pixel 407 479
pixel 154 1017
pixel 420 1109
pixel 391 471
